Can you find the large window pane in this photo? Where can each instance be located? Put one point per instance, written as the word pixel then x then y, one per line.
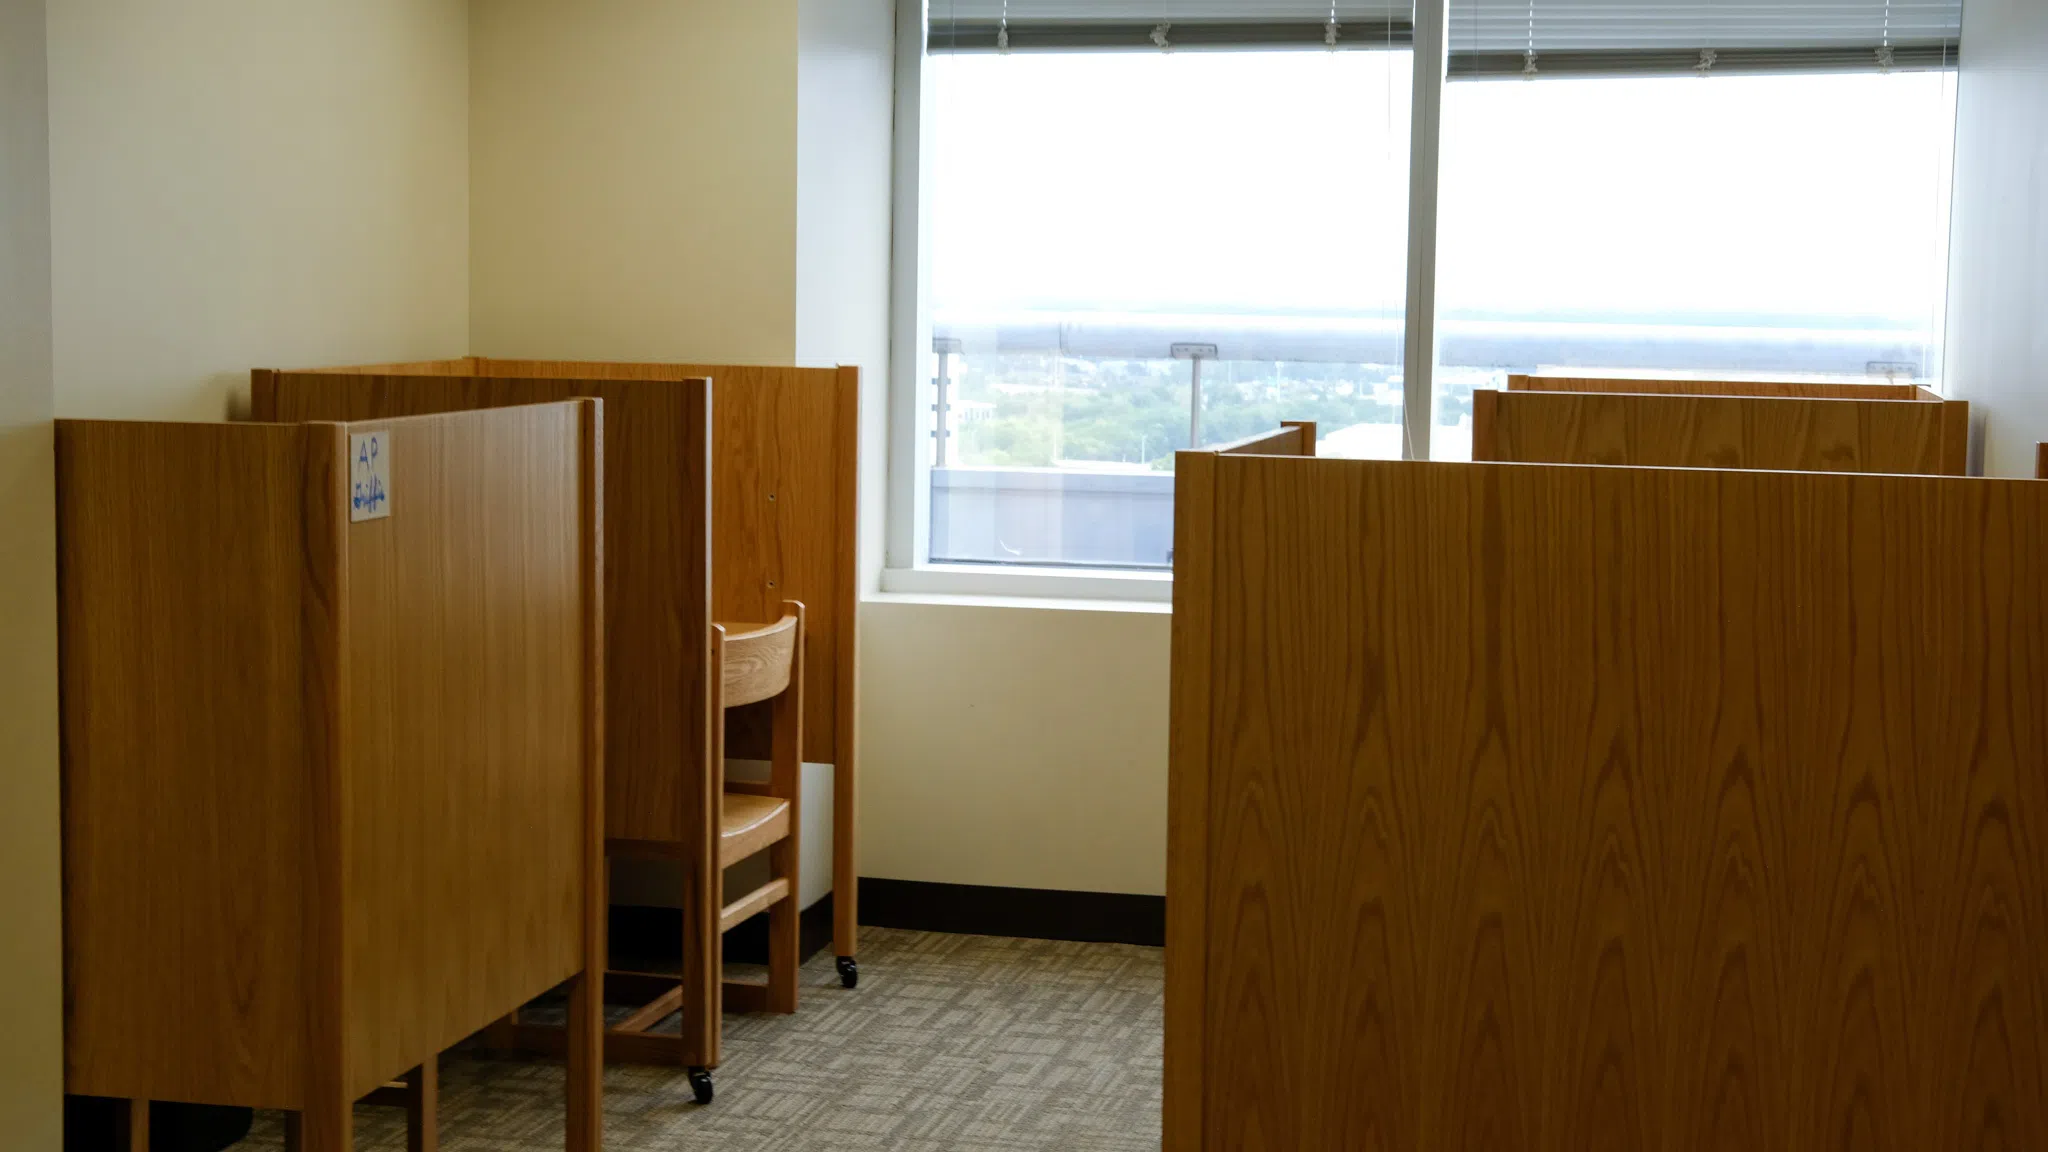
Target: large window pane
pixel 1116 234
pixel 1737 225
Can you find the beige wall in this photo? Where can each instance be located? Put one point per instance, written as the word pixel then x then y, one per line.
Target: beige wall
pixel 846 90
pixel 243 183
pixel 31 1035
pixel 700 180
pixel 1998 278
pixel 1014 746
pixel 634 179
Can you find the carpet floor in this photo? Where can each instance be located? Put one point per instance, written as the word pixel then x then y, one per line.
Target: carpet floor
pixel 950 1044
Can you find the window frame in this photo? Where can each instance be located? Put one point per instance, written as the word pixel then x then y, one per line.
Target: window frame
pixel 908 570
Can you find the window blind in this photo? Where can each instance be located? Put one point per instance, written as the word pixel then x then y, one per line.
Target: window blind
pixel 1601 37
pixel 1491 38
pixel 1079 25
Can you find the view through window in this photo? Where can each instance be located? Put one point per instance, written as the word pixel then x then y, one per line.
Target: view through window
pixel 1132 252
pixel 1743 224
pixel 1136 251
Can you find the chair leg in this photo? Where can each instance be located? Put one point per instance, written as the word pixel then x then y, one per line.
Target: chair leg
pixel 585 1037
pixel 423 1107
pixel 328 1129
pixel 133 1119
pixel 785 941
pixel 501 1035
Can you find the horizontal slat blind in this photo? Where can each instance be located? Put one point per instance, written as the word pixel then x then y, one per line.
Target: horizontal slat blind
pixel 1491 37
pixel 1070 25
pixel 1592 37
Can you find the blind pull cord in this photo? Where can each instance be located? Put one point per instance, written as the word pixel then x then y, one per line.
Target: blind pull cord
pixel 1159 36
pixel 1003 30
pixel 1529 53
pixel 1708 56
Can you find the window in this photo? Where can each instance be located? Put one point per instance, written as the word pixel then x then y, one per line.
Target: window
pixel 1146 224
pixel 1746 224
pixel 1693 188
pixel 1135 252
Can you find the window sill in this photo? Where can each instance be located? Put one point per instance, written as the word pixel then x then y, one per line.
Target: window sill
pixel 1021 587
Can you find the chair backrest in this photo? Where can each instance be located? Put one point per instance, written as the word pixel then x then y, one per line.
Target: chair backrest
pixel 758 661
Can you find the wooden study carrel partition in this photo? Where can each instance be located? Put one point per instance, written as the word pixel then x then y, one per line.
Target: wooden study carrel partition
pixel 1817 389
pixel 332 719
pixel 763 480
pixel 1524 808
pixel 1292 438
pixel 1792 425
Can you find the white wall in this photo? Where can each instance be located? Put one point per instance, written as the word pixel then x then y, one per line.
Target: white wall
pixel 1014 746
pixel 634 188
pixel 244 183
pixel 846 60
pixel 31 1026
pixel 1998 279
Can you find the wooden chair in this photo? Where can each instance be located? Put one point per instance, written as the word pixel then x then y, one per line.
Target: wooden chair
pixel 752 665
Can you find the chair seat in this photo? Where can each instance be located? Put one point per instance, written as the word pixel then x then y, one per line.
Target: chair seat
pixel 750 823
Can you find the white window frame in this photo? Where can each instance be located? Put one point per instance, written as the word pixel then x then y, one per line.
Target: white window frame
pixel 909 571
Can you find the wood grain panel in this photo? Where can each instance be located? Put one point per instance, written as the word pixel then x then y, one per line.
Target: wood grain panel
pixel 1284 441
pixel 466 709
pixel 785 509
pixel 186 746
pixel 1563 808
pixel 583 1028
pixel 459 366
pixel 1721 432
pixel 1669 386
pixel 842 651
pixel 1187 812
pixel 326 1117
pixel 657 591
pixel 785 479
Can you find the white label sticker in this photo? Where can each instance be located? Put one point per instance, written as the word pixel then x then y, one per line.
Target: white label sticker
pixel 369 475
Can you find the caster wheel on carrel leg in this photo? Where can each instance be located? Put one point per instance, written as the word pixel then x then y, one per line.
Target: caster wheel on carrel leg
pixel 700 1084
pixel 849 971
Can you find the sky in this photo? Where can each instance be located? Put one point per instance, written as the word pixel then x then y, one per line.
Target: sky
pixel 1278 182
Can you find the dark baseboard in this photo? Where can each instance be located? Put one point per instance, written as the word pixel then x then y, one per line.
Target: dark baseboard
pixel 1032 913
pixel 650 939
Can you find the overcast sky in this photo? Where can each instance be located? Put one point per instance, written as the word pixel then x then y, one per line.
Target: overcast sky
pixel 1278 181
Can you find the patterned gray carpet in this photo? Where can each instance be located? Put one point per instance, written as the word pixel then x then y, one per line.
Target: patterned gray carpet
pixel 950 1044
